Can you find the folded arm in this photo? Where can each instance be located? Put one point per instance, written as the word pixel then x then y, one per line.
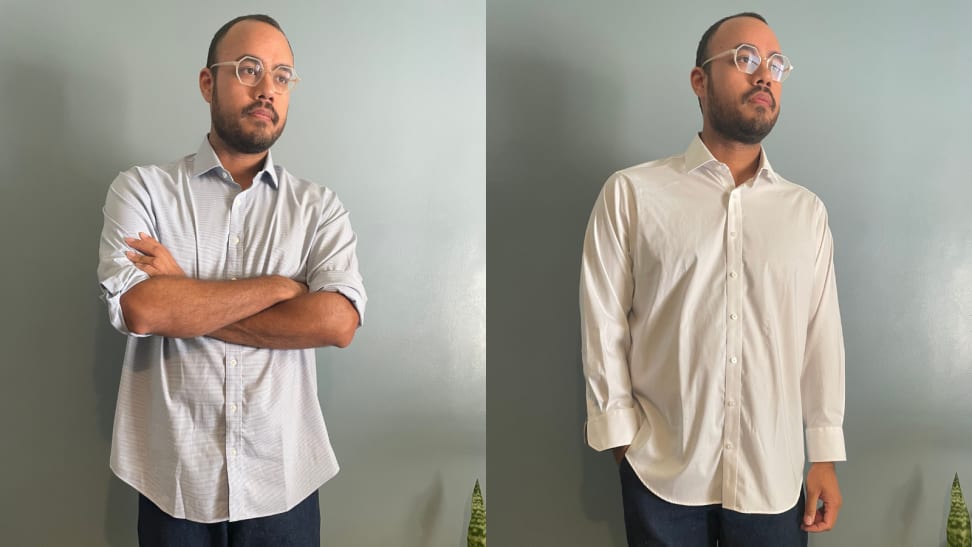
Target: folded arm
pixel 171 304
pixel 267 312
pixel 311 320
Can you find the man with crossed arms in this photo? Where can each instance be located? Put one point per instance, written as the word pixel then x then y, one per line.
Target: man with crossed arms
pixel 226 271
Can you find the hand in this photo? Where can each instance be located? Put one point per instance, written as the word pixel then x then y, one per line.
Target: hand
pixel 154 259
pixel 619 452
pixel 822 485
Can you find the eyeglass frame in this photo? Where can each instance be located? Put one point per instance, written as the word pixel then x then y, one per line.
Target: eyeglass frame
pixel 735 51
pixel 291 83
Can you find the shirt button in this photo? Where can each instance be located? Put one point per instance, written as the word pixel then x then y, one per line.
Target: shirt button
pixel 733 316
pixel 732 275
pixel 733 360
pixel 232 279
pixel 732 234
pixel 232 362
pixel 728 447
pixel 236 240
pixel 233 452
pixel 233 407
pixel 731 403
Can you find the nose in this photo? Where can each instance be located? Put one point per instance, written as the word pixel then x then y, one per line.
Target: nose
pixel 762 76
pixel 264 87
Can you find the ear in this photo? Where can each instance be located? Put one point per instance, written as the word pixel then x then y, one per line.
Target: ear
pixel 699 79
pixel 206 84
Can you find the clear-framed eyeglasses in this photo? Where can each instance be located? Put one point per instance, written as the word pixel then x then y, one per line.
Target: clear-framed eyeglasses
pixel 250 72
pixel 747 60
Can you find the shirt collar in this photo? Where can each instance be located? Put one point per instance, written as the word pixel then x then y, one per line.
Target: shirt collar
pixel 697 155
pixel 206 161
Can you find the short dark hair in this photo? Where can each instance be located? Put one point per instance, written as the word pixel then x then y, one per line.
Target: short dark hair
pixel 221 33
pixel 701 52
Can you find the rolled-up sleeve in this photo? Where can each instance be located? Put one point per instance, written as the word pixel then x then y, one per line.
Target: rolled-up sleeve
pixel 332 264
pixel 127 212
pixel 606 290
pixel 822 383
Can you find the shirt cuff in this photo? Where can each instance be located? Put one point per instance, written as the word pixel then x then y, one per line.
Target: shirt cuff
pixel 826 444
pixel 112 290
pixel 611 429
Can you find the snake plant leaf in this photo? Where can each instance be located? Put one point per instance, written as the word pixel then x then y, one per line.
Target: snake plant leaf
pixel 476 535
pixel 959 530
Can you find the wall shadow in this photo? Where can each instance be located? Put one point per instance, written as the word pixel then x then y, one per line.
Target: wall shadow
pixel 550 147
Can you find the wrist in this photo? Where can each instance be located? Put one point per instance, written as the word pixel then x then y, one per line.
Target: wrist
pixel 287 288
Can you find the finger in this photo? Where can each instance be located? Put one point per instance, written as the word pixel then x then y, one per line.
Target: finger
pixel 137 258
pixel 820 525
pixel 830 515
pixel 144 241
pixel 810 512
pixel 815 526
pixel 151 270
pixel 142 245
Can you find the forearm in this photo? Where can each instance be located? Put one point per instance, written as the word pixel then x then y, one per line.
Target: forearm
pixel 182 307
pixel 312 320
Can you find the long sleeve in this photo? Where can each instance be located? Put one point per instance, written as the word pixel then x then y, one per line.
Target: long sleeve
pixel 822 384
pixel 606 289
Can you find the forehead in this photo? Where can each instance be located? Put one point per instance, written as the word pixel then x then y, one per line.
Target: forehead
pixel 748 30
pixel 258 39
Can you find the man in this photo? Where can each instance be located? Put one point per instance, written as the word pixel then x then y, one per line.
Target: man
pixel 226 271
pixel 710 326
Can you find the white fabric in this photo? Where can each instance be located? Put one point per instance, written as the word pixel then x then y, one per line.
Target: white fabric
pixel 711 331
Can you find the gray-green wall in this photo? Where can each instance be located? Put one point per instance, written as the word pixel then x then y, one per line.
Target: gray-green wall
pixel 390 113
pixel 874 120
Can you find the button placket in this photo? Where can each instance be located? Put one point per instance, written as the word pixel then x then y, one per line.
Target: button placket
pixel 234 423
pixel 733 375
pixel 234 365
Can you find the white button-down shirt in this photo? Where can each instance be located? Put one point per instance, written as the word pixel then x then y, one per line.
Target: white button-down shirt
pixel 711 331
pixel 209 430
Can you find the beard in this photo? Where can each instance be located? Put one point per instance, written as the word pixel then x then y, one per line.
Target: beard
pixel 729 121
pixel 229 128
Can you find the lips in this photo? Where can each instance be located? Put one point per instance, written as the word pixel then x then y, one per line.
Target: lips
pixel 761 97
pixel 261 112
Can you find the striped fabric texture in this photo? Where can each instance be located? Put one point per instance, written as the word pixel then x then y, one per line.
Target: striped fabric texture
pixel 208 430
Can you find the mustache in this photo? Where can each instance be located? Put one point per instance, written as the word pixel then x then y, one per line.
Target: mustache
pixel 759 89
pixel 276 117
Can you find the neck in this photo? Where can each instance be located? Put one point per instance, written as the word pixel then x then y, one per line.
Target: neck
pixel 242 167
pixel 742 159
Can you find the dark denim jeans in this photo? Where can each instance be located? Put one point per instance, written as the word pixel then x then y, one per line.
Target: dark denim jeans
pixel 299 527
pixel 653 522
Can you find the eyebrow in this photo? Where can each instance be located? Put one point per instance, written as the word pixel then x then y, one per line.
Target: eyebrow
pixel 257 57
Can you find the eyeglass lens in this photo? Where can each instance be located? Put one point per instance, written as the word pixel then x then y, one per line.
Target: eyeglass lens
pixel 748 60
pixel 250 72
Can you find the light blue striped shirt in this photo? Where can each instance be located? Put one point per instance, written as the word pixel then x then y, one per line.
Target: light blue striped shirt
pixel 208 430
